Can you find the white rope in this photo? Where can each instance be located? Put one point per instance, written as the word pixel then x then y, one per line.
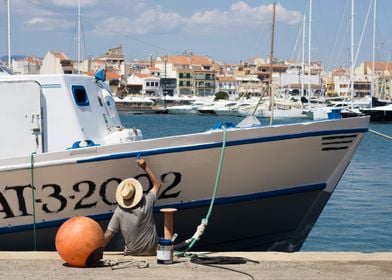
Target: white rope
pixel 381 134
pixel 200 229
pixel 124 263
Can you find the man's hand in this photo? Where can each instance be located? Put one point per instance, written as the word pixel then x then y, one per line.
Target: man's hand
pixel 142 163
pixel 156 184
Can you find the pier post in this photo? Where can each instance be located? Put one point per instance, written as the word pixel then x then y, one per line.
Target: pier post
pixel 168 222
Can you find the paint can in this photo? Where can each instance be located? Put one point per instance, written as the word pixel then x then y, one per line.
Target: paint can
pixel 165 251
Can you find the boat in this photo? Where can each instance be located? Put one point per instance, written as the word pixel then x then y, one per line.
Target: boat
pixel 214 108
pixel 65 152
pixel 167 101
pixel 282 109
pixel 231 108
pixel 348 107
pixel 138 105
pixel 379 113
pixel 190 109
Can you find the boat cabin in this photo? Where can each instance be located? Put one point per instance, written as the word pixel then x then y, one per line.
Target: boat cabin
pixel 45 113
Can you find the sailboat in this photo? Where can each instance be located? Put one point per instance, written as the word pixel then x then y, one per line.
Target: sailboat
pixel 380 111
pixel 280 107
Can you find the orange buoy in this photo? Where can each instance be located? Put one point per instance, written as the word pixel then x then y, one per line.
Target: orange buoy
pixel 80 242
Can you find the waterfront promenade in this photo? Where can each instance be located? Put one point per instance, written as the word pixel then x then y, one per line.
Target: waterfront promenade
pixel 301 265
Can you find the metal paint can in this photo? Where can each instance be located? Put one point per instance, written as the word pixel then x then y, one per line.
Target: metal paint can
pixel 165 251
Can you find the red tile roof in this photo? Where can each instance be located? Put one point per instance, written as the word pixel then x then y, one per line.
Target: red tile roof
pixel 189 60
pixel 141 76
pixel 226 78
pixel 109 75
pixel 60 55
pixel 379 65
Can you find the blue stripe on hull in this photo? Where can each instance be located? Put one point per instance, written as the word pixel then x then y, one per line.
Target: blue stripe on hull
pixel 228 144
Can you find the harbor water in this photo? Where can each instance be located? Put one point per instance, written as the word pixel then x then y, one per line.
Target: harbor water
pixel 358 217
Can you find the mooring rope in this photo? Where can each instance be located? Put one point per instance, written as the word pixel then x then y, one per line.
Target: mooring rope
pixel 204 222
pixel 380 134
pixel 123 263
pixel 33 200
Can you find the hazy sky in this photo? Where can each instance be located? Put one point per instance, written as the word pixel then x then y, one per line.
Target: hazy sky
pixel 228 31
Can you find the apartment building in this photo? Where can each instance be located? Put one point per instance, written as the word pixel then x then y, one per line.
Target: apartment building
pixel 194 75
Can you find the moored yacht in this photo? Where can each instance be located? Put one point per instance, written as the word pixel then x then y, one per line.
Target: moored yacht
pixel 137 105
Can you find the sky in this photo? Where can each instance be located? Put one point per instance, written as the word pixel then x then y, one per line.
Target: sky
pixel 227 31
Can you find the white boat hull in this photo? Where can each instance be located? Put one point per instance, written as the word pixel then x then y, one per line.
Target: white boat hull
pixel 274 183
pixel 263 112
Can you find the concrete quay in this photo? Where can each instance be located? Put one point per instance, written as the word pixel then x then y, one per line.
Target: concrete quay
pixel 273 265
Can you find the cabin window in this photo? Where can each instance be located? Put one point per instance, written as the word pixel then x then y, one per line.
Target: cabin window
pixel 80 96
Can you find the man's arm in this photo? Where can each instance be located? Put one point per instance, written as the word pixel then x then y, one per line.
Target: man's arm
pixel 107 237
pixel 156 184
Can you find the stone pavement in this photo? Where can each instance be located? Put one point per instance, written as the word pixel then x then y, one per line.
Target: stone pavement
pixel 273 265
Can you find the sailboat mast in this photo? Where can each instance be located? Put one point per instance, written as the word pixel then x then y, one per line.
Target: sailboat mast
pixel 309 47
pixel 272 41
pixel 303 55
pixel 271 105
pixel 9 33
pixel 352 51
pixel 374 47
pixel 79 40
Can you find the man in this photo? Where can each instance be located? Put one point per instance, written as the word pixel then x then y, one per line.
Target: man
pixel 134 215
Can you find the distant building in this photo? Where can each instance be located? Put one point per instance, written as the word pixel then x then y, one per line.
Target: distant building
pixel 113 60
pixel 153 71
pixel 263 71
pixel 194 75
pixel 227 84
pixel 27 65
pixel 339 83
pixel 293 78
pixel 249 85
pixel 144 84
pixel 57 63
pixel 91 65
pixel 137 65
pixel 382 77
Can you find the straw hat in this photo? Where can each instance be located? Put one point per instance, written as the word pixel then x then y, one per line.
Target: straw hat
pixel 129 193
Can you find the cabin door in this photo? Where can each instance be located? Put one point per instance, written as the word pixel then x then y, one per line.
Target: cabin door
pixel 21 118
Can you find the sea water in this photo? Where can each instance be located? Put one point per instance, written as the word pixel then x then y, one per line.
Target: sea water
pixel 358 216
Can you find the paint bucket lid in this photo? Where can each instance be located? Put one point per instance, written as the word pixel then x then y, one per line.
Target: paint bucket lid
pixel 165 242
